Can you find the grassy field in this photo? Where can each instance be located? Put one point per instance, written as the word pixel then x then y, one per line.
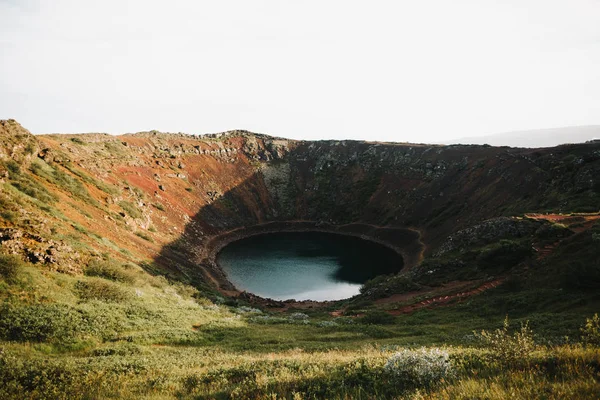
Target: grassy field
pixel 117 332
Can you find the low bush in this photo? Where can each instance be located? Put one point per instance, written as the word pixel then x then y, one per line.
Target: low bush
pixel 377 317
pixel 32 188
pixel 419 368
pixel 109 270
pixel 130 209
pixel 374 331
pixel 10 267
pixel 144 236
pixel 105 187
pixel 507 348
pixel 8 215
pixel 505 254
pixel 386 285
pixel 590 332
pixel 55 175
pixel 100 289
pixel 39 323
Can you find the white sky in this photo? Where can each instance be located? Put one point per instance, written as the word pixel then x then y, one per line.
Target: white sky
pixel 419 71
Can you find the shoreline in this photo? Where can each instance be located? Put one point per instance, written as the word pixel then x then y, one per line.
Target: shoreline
pixel 405 242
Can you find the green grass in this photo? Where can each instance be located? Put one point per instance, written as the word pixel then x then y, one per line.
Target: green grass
pixel 100 289
pixel 144 236
pixel 55 175
pixel 10 267
pixel 105 187
pixel 132 210
pixel 26 184
pixel 119 332
pixel 111 270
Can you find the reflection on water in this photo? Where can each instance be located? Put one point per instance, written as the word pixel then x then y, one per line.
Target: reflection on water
pixel 306 265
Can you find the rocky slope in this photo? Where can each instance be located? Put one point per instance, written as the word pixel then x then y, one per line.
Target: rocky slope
pixel 167 201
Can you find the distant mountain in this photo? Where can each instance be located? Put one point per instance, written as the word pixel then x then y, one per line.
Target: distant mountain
pixel 536 138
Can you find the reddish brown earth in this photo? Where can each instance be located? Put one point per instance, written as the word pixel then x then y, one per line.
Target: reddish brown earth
pixel 576 222
pixel 447 299
pixel 191 192
pixel 456 291
pixel 413 301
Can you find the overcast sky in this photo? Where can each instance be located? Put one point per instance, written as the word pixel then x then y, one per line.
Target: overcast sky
pixel 419 71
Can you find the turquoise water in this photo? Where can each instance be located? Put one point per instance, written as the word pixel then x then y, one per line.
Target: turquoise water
pixel 306 265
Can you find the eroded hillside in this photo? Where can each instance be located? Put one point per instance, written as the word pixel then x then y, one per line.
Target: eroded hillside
pixel 160 197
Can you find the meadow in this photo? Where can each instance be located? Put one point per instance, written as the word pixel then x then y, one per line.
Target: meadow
pixel 118 332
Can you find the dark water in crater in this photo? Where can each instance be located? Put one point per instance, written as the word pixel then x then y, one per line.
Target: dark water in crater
pixel 305 265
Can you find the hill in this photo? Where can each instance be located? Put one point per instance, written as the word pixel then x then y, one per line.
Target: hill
pixel 110 288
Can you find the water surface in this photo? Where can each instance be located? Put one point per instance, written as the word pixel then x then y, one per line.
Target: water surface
pixel 305 265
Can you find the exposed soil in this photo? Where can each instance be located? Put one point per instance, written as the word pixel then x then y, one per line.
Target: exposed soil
pixel 457 290
pixel 445 300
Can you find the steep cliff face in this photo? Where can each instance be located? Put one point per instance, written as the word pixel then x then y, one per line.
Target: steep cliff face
pixel 438 189
pixel 166 197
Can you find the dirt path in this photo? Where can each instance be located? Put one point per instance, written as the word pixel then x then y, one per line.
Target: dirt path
pixel 442 300
pixel 402 297
pixel 433 301
pixel 577 223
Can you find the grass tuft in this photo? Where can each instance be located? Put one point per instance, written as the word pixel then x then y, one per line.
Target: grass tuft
pixel 100 289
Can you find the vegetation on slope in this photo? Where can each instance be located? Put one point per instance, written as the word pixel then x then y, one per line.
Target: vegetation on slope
pixel 101 297
pixel 166 341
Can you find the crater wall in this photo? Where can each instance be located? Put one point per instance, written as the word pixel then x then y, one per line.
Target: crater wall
pixel 173 198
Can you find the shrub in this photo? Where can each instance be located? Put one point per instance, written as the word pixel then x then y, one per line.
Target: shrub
pixel 144 236
pixel 13 167
pixel 39 323
pixel 246 309
pixel 99 289
pixel 504 254
pixel 130 209
pixel 8 215
pixel 385 285
pixel 159 206
pixel 506 348
pixel 377 332
pixel 298 316
pixel 107 188
pixel 62 179
pixel 590 332
pixel 418 368
pixel 377 317
pixel 269 320
pixel 326 324
pixel 108 270
pixel 32 188
pixel 10 266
